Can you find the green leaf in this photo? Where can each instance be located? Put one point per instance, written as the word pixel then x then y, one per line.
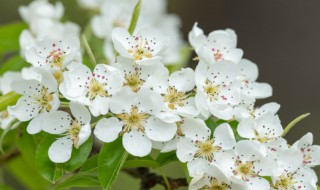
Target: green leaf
pixel 293 123
pixel 26 174
pixel 318 187
pixel 14 63
pixel 8 99
pixel 79 180
pixel 4 187
pixel 90 165
pixel 26 145
pixel 211 124
pixel 185 171
pixel 9 37
pixel 135 162
pixel 111 158
pixel 49 170
pixel 78 157
pixel 134 17
pixel 165 158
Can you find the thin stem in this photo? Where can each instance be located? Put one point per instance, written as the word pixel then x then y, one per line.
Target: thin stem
pixel 165 179
pixel 89 51
pixel 293 123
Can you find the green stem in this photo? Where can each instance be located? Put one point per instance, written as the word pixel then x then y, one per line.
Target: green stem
pixel 293 123
pixel 89 51
pixel 165 179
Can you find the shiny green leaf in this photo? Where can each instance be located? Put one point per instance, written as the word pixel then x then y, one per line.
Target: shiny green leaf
pixel 111 159
pixel 14 63
pixel 135 162
pixel 8 99
pixel 165 158
pixel 79 180
pixel 90 165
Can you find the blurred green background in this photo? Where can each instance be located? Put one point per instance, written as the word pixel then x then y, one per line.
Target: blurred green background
pixel 282 37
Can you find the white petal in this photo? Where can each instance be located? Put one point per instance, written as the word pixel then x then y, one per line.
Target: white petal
pixel 201 74
pixel 84 134
pixel 195 128
pixel 159 130
pixel 224 137
pixel 60 151
pixel 122 41
pixel 202 105
pixel 25 109
pixel 271 107
pixel 6 80
pixel 107 130
pixel 249 150
pixel 186 150
pixel 197 167
pixel 36 124
pixel 150 101
pixel 136 143
pixel 80 112
pixel 304 141
pixel 248 70
pixel 258 183
pixel 168 117
pixel 289 160
pixel 123 100
pixel 182 80
pixel 99 106
pixel 246 128
pixel 56 122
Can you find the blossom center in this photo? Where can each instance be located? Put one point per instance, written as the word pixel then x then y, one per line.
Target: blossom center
pixel 262 139
pixel 133 120
pixel 245 170
pixel 74 131
pixel 206 149
pixel 44 100
pixel 56 57
pixel 141 50
pixel 285 182
pixel 215 185
pixel 211 90
pixel 217 54
pixel 133 81
pixel 174 98
pixel 4 114
pixel 95 89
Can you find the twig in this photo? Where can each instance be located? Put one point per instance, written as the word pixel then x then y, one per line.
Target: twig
pixel 149 180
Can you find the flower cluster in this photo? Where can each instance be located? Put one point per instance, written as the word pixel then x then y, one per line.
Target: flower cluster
pixel 207 115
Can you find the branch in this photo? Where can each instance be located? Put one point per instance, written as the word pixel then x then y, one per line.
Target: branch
pixel 149 180
pixel 11 155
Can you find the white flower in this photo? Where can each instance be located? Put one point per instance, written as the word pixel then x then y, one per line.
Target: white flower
pixel 7 120
pixel 200 150
pixel 249 111
pixel 175 90
pixel 216 89
pixel 219 45
pixel 291 174
pixel 137 76
pixel 41 9
pixel 249 87
pixel 74 130
pixel 90 4
pixel 310 152
pixel 214 179
pixel 54 53
pixel 134 121
pixel 92 89
pixel 142 48
pixel 44 28
pixel 249 164
pixel 38 96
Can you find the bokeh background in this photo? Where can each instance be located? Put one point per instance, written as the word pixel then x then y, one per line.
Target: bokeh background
pixel 281 36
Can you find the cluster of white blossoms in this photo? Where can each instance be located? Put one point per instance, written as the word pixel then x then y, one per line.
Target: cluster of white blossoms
pixel 137 99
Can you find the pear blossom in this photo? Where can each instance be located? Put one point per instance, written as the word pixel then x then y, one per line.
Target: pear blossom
pixel 310 152
pixel 250 164
pixel 135 121
pixel 290 172
pixel 41 9
pixel 74 130
pixel 38 97
pixel 200 150
pixel 175 90
pixel 55 54
pixel 92 89
pixel 137 76
pixel 218 45
pixel 249 111
pixel 144 47
pixel 217 89
pixel 214 178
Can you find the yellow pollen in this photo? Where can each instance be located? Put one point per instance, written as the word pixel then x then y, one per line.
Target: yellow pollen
pixel 4 114
pixel 45 99
pixel 215 185
pixel 206 150
pixel 142 50
pixel 133 120
pixel 211 90
pixel 55 58
pixel 285 182
pixel 95 89
pixel 262 139
pixel 174 98
pixel 58 75
pixel 133 81
pixel 244 170
pixel 74 131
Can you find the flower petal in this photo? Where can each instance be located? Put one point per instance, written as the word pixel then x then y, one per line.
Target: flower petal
pixel 107 130
pixel 60 151
pixel 136 143
pixel 159 130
